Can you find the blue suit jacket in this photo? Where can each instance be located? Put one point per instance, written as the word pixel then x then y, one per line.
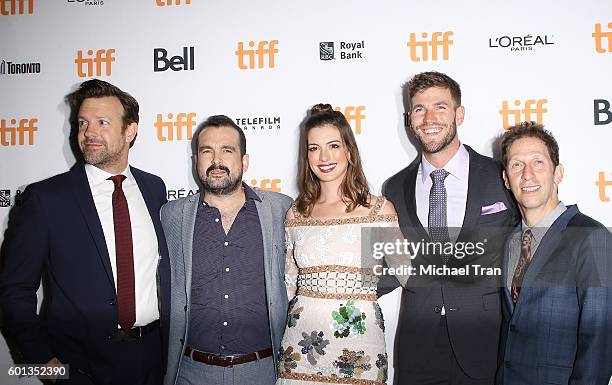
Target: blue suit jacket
pixel 560 331
pixel 57 235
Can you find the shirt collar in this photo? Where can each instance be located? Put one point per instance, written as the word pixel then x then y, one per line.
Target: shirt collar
pixel 457 166
pixel 249 193
pixel 539 230
pixel 97 176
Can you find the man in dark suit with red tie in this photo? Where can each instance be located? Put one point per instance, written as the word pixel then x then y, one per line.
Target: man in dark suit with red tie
pixel 94 233
pixel 448 327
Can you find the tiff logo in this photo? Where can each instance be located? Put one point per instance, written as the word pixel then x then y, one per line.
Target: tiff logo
pixel 171 128
pixel 17 133
pixel 419 50
pixel 527 112
pixel 601 107
pixel 267 184
pixel 354 115
pixel 16 7
pixel 162 3
pixel 264 49
pixel 175 63
pixel 599 37
pixel 85 65
pixel 602 183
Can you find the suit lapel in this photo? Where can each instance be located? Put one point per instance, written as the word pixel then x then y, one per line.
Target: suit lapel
pixel 474 195
pixel 84 199
pixel 264 212
pixel 507 249
pixel 188 225
pixel 410 199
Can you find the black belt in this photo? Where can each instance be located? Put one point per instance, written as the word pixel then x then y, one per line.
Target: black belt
pixel 226 361
pixel 136 333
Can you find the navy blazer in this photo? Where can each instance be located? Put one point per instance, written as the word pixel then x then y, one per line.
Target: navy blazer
pixel 473 310
pixel 560 331
pixel 57 235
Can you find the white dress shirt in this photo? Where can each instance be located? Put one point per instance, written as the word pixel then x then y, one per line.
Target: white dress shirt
pixel 456 184
pixel 144 239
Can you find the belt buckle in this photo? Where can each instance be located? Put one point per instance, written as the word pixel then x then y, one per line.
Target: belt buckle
pixel 140 332
pixel 231 360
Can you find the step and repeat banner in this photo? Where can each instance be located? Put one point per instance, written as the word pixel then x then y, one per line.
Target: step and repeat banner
pixel 265 63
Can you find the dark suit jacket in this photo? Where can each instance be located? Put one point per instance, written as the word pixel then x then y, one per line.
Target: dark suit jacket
pixel 57 233
pixel 472 303
pixel 560 331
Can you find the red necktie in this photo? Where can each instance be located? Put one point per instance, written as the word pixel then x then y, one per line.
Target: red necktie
pixel 126 298
pixel 523 264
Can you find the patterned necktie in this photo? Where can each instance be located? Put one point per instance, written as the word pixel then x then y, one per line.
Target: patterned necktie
pixel 523 264
pixel 437 223
pixel 126 297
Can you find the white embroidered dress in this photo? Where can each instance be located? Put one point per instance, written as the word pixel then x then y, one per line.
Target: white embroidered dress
pixel 335 329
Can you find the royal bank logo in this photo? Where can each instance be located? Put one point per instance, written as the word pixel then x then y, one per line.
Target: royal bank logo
pixel 13 132
pixel 525 43
pixel 87 3
pixel 273 185
pixel 601 38
pixel 264 55
pixel 14 68
pixel 173 127
pixel 5 198
pixel 259 123
pixel 428 48
pixel 532 110
pixel 347 50
pixel 16 7
pixel 94 63
pixel 184 62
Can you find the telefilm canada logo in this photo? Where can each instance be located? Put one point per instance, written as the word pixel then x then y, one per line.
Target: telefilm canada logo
pixel 259 123
pixel 347 50
pixel 525 43
pixel 14 68
pixel 87 3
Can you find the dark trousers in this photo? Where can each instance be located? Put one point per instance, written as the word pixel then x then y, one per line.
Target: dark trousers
pixel 442 368
pixel 135 362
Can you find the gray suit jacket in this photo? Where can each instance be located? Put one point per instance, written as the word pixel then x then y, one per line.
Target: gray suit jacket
pixel 178 219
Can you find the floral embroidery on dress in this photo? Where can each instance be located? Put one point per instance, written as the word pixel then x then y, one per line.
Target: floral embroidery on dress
pixel 352 363
pixel 380 321
pixel 313 346
pixel 382 364
pixel 287 359
pixel 348 320
pixel 294 313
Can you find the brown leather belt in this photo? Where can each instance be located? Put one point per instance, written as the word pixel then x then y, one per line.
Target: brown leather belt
pixel 226 361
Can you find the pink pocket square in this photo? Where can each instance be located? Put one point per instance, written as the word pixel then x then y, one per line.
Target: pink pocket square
pixel 492 209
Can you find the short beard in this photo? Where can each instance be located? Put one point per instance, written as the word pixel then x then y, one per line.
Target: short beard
pixel 432 148
pixel 225 186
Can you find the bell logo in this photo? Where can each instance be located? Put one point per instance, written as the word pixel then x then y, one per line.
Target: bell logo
pixel 17 133
pixel 602 183
pixel 85 65
pixel 267 184
pixel 162 3
pixel 16 7
pixel 599 37
pixel 419 50
pixel 354 115
pixel 264 49
pixel 175 63
pixel 601 107
pixel 184 122
pixel 527 113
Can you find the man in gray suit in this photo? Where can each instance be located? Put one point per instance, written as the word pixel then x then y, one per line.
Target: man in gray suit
pixel 226 245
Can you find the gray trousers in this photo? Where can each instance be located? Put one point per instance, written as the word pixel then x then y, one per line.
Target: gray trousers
pixel 258 372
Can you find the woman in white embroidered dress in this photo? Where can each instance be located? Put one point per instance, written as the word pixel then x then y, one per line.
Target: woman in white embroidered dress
pixel 335 329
